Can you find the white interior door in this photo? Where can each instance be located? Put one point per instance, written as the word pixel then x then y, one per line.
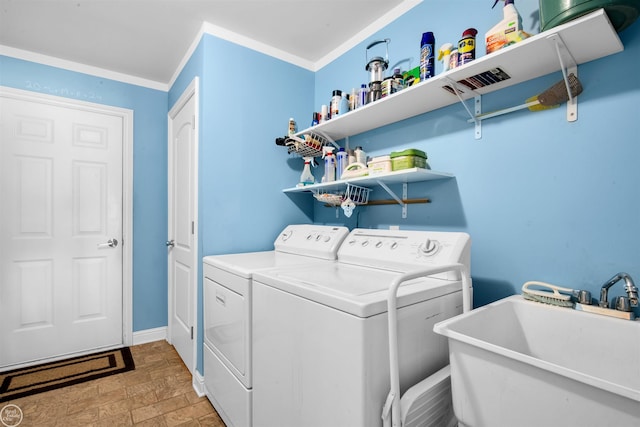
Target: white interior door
pixel 61 227
pixel 182 243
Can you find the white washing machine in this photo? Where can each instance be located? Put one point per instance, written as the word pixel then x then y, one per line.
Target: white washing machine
pixel 321 349
pixel 227 311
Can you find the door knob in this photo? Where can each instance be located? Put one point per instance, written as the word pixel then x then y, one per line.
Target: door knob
pixel 170 243
pixel 111 243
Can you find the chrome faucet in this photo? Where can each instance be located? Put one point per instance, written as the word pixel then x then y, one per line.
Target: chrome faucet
pixel 629 288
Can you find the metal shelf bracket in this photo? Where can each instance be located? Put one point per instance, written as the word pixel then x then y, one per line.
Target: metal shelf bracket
pixel 568 66
pixel 395 197
pixel 477 101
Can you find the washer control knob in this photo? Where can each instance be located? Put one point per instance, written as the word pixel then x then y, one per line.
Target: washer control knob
pixel 428 248
pixel 379 244
pixel 352 242
pixel 327 238
pixel 365 243
pixel 318 237
pixel 286 235
pixel 394 245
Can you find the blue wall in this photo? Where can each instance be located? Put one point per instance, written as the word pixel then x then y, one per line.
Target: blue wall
pixel 242 171
pixel 149 170
pixel 542 199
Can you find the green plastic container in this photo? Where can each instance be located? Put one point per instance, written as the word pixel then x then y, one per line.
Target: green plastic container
pixel 621 13
pixel 408 159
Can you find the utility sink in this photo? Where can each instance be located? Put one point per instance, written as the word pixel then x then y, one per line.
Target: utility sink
pixel 522 363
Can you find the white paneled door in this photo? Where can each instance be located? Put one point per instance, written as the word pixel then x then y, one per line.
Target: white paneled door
pixel 182 232
pixel 61 228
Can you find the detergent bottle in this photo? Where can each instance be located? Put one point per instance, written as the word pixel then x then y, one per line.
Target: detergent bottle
pixel 506 32
pixel 329 164
pixel 307 177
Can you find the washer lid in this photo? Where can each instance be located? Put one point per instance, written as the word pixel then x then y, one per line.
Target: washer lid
pixel 357 290
pixel 245 264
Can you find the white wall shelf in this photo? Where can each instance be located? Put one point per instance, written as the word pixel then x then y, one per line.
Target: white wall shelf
pixel 383 180
pixel 564 47
pixel 586 39
pixel 396 177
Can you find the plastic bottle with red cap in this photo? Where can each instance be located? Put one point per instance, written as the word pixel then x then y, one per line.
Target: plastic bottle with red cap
pixel 467 46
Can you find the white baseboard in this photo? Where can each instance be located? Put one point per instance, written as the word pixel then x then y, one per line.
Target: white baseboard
pixel 149 335
pixel 198 384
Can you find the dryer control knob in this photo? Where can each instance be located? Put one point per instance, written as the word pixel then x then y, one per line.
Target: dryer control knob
pixel 286 235
pixel 327 238
pixel 379 244
pixel 428 248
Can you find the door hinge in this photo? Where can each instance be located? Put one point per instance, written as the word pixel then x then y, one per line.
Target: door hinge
pixel 193 227
pixel 192 332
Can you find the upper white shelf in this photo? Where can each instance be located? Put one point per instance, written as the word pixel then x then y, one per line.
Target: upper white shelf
pixel 395 177
pixel 587 38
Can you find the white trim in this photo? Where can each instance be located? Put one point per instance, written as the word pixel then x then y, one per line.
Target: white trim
pixel 224 34
pixel 198 383
pixel 369 30
pixel 192 91
pixel 81 68
pixel 126 116
pixel 149 335
pixel 256 45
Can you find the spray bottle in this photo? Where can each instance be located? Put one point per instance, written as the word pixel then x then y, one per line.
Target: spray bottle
pixel 427 56
pixel 467 46
pixel 307 177
pixel 444 54
pixel 329 164
pixel 506 32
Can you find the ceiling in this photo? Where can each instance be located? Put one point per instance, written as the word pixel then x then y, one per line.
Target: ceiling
pixel 148 39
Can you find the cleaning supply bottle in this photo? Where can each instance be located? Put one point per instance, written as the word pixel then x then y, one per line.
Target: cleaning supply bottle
pixel 361 156
pixel 398 79
pixel 353 99
pixel 334 109
pixel 467 46
pixel 307 177
pixel 444 53
pixel 507 31
pixel 427 56
pixel 329 164
pixel 363 95
pixel 292 126
pixel 342 161
pixel 344 104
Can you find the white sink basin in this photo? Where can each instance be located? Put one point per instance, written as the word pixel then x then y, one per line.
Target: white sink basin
pixel 521 363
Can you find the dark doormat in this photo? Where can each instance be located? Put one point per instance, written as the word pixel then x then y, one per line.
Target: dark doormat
pixel 50 376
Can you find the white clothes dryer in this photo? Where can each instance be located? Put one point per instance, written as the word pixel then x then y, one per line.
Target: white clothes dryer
pixel 321 342
pixel 227 312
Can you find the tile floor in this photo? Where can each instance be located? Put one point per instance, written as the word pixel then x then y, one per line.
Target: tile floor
pixel 157 393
